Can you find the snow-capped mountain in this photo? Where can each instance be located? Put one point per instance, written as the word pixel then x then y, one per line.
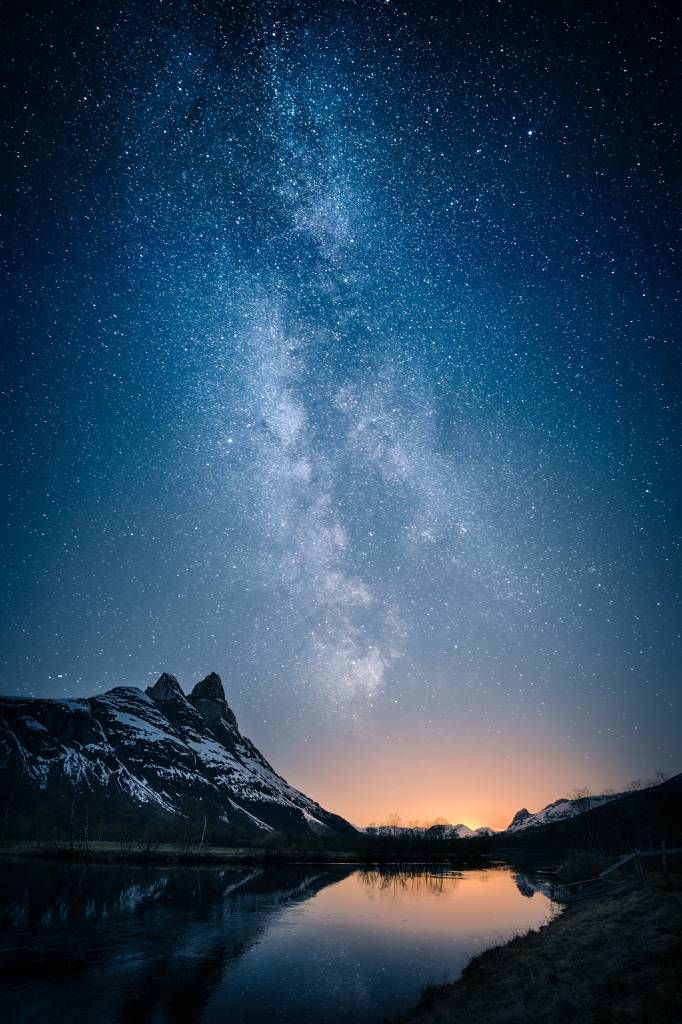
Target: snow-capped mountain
pixel 156 750
pixel 459 831
pixel 430 831
pixel 558 811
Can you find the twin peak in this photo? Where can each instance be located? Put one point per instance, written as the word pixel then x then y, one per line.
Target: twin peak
pixel 204 697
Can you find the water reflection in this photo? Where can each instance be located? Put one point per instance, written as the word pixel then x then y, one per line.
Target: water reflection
pixel 415 879
pixel 302 944
pixel 528 886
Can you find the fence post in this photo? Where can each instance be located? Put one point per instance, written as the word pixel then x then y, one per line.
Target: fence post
pixel 664 862
pixel 639 867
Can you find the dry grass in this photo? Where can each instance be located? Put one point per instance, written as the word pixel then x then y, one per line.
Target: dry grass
pixel 583 864
pixel 616 962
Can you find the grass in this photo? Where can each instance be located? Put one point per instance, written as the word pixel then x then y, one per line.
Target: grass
pixel 277 849
pixel 139 852
pixel 583 864
pixel 614 962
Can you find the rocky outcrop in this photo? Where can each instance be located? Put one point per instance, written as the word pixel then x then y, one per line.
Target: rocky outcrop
pixel 208 697
pixel 519 820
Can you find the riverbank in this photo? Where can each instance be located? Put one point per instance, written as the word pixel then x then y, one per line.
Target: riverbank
pixel 169 854
pixel 615 961
pixel 164 854
pixel 160 854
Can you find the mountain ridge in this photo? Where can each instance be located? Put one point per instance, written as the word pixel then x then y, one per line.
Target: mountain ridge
pixel 559 810
pixel 159 752
pixel 441 830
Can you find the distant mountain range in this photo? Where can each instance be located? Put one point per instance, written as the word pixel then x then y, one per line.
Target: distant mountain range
pixel 440 831
pixel 155 753
pixel 560 810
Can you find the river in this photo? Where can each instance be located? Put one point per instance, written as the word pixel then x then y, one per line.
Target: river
pixel 102 944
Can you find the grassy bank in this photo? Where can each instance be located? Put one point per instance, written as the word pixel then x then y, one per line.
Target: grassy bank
pixel 615 962
pixel 163 854
pixel 246 849
pixel 103 852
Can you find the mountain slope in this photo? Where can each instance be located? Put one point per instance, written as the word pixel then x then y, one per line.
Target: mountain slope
pixel 559 810
pixel 158 752
pixel 641 819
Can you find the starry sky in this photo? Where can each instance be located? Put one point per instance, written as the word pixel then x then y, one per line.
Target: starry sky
pixel 339 357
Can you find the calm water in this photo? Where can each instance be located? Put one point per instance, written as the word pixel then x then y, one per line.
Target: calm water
pixel 111 944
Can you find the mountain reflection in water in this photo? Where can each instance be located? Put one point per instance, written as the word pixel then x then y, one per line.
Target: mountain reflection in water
pixel 300 944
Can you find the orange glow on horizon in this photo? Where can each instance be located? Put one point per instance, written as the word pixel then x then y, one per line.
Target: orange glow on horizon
pixel 366 780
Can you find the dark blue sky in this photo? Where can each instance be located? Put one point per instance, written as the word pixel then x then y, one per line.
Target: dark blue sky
pixel 340 356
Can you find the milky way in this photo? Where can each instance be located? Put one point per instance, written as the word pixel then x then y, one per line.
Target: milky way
pixel 341 362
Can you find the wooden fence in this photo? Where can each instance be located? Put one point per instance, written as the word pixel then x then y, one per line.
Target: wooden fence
pixel 604 884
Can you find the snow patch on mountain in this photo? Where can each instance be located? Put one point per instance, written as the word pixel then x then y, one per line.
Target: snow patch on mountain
pixel 442 830
pixel 180 754
pixel 559 810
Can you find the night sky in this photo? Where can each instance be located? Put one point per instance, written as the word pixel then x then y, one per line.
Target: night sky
pixel 338 356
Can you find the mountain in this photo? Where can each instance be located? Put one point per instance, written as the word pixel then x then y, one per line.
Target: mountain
pixel 613 824
pixel 157 754
pixel 441 831
pixel 458 832
pixel 559 810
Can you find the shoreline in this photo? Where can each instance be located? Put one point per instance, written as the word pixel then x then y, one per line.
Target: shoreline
pixel 168 855
pixel 174 855
pixel 616 960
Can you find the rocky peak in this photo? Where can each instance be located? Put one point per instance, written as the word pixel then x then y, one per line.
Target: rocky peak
pixel 518 818
pixel 166 688
pixel 208 697
pixel 210 688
